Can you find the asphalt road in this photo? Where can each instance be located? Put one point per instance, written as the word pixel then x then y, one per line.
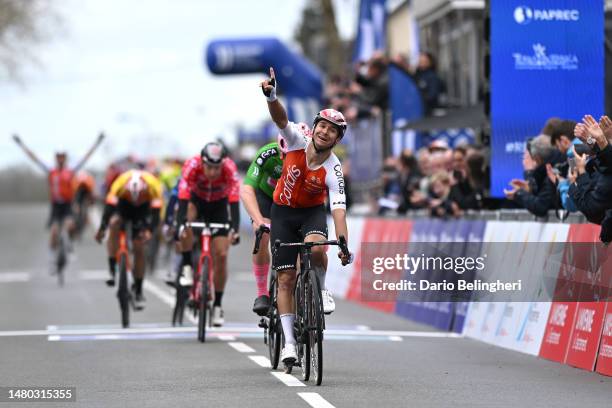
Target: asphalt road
pixel 70 337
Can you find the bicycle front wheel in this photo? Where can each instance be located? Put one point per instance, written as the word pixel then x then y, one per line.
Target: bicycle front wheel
pixel 314 319
pixel 301 326
pixel 274 327
pixel 203 301
pixel 123 293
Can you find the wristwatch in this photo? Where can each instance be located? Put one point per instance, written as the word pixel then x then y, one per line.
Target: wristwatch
pixel 590 140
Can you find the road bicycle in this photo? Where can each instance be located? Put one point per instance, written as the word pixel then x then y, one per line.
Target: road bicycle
pixel 60 261
pixel 202 290
pixel 124 295
pixel 271 323
pixel 310 319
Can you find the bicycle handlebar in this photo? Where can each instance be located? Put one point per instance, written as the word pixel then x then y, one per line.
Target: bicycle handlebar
pixel 340 242
pixel 258 234
pixel 203 225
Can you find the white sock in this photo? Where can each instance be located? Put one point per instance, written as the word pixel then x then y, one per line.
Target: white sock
pixel 287 322
pixel 321 274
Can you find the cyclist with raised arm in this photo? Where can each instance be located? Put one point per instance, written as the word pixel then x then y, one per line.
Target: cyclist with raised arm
pixel 136 197
pixel 61 191
pixel 209 185
pixel 256 194
pixel 310 171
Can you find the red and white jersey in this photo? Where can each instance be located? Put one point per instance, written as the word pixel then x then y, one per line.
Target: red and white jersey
pixel 193 181
pixel 60 185
pixel 301 186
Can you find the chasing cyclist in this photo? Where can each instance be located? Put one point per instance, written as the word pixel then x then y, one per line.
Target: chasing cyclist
pixel 310 170
pixel 61 190
pixel 135 196
pixel 209 182
pixel 256 194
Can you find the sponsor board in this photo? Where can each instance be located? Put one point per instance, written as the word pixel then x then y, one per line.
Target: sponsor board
pixel 604 359
pixel 339 277
pixel 586 333
pixel 518 266
pixel 475 235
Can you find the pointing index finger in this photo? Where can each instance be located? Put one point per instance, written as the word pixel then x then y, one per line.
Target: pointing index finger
pixel 272 73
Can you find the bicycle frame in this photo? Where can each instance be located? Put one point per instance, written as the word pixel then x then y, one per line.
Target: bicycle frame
pixel 203 287
pixel 123 249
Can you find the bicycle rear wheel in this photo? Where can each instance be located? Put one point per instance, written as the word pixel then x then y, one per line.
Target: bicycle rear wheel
pixel 203 301
pixel 274 327
pixel 314 321
pixel 123 293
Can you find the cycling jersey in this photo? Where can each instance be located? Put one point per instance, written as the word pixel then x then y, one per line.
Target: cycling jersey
pixel 194 182
pixel 85 181
pixel 60 185
pixel 265 170
pixel 119 191
pixel 301 186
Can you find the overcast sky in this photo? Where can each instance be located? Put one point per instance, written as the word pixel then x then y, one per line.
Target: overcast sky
pixel 130 67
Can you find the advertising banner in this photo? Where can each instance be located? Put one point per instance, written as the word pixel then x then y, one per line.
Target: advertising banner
pixel 604 359
pixel 409 303
pixel 339 277
pixel 388 238
pixel 561 318
pixel 541 53
pixel 584 340
pixel 475 236
pixel 533 320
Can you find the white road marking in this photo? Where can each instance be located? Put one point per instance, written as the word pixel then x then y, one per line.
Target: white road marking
pixel 94 274
pixel 53 338
pixel 261 361
pixel 315 400
pixel 226 337
pixel 395 338
pixel 8 277
pixel 241 347
pixel 235 331
pixel 288 380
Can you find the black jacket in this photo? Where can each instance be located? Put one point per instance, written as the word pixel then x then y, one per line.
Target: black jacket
pixel 543 195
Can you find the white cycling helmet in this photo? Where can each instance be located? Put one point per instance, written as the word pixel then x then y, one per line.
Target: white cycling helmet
pixel 136 185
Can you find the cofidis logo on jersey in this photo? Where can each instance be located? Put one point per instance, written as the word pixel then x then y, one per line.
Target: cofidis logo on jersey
pixel 524 15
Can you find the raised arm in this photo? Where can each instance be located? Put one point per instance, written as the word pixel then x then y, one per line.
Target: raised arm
pixel 30 153
pixel 276 109
pixel 91 150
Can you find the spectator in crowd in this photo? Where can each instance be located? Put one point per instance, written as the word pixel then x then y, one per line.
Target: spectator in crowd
pixel 538 197
pixel 372 82
pixel 467 179
pixel 409 179
pixel 550 126
pixel 439 202
pixel 562 137
pixel 426 78
pixel 591 189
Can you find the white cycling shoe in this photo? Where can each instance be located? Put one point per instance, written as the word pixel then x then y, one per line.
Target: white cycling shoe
pixel 217 316
pixel 186 278
pixel 288 354
pixel 328 302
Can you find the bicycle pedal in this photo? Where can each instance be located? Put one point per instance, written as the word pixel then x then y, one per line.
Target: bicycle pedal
pixel 263 323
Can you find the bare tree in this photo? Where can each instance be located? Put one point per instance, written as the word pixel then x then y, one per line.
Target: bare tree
pixel 24 24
